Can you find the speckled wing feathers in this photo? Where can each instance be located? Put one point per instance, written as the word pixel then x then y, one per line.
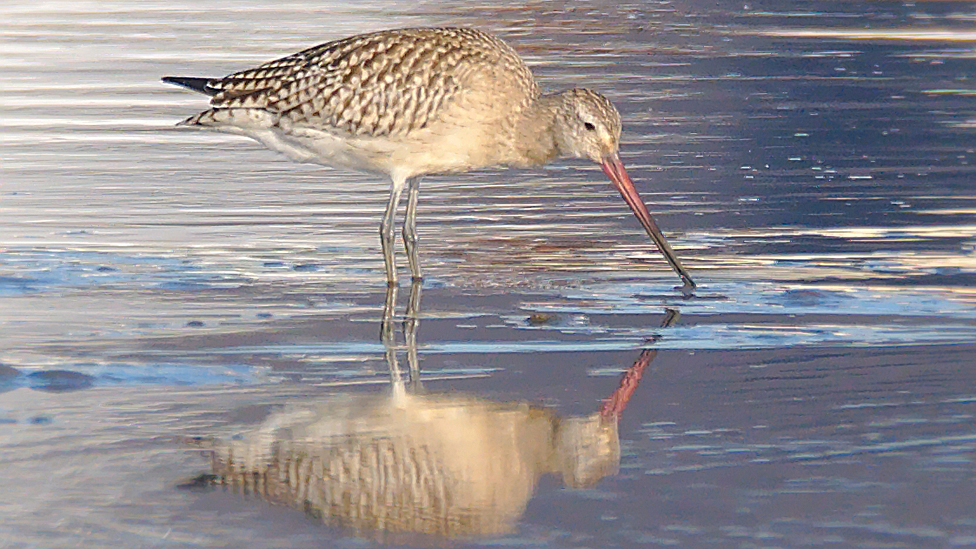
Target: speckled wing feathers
pixel 387 83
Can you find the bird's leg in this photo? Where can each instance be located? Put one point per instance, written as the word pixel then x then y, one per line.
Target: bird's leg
pixel 388 336
pixel 410 227
pixel 410 324
pixel 387 238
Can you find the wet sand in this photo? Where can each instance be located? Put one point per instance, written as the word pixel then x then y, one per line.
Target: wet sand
pixel 787 447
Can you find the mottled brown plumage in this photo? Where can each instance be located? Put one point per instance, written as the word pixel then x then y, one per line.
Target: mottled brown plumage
pixel 412 102
pixel 378 84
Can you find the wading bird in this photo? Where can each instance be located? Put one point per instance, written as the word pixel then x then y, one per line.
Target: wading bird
pixel 411 102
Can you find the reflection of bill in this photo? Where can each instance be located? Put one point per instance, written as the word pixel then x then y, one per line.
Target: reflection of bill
pixel 614 406
pixel 449 465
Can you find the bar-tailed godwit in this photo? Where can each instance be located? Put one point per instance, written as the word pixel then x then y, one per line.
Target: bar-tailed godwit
pixel 412 102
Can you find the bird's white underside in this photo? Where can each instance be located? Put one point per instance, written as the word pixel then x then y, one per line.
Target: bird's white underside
pixel 399 159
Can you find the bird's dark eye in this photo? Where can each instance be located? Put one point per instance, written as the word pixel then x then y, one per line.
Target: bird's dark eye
pixel 589 126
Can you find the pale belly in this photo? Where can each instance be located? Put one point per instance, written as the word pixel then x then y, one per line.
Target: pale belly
pixel 449 149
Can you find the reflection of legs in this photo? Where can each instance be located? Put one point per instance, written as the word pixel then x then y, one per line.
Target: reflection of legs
pixel 410 227
pixel 387 239
pixel 410 324
pixel 388 338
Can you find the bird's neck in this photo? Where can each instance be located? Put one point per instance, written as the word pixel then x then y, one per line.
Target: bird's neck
pixel 535 131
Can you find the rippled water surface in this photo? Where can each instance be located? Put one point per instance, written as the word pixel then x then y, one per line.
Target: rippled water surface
pixel 809 161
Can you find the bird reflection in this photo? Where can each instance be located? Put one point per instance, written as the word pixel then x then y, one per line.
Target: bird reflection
pixel 443 464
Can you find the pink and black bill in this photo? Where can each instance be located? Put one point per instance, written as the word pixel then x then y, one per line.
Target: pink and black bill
pixel 614 169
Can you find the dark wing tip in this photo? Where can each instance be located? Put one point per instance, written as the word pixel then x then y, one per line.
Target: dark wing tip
pixel 194 83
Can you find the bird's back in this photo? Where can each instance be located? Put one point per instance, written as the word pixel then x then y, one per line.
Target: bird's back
pixel 387 83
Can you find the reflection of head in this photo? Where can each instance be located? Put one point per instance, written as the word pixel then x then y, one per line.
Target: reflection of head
pixel 587 449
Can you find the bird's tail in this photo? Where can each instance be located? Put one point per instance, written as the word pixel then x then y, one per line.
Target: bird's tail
pixel 195 83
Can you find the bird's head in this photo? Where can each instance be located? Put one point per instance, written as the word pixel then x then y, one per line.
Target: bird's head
pixel 588 125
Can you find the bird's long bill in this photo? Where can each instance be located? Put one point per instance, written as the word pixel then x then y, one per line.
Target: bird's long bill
pixel 614 169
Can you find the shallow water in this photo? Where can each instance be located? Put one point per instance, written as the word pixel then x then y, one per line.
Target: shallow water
pixel 809 162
